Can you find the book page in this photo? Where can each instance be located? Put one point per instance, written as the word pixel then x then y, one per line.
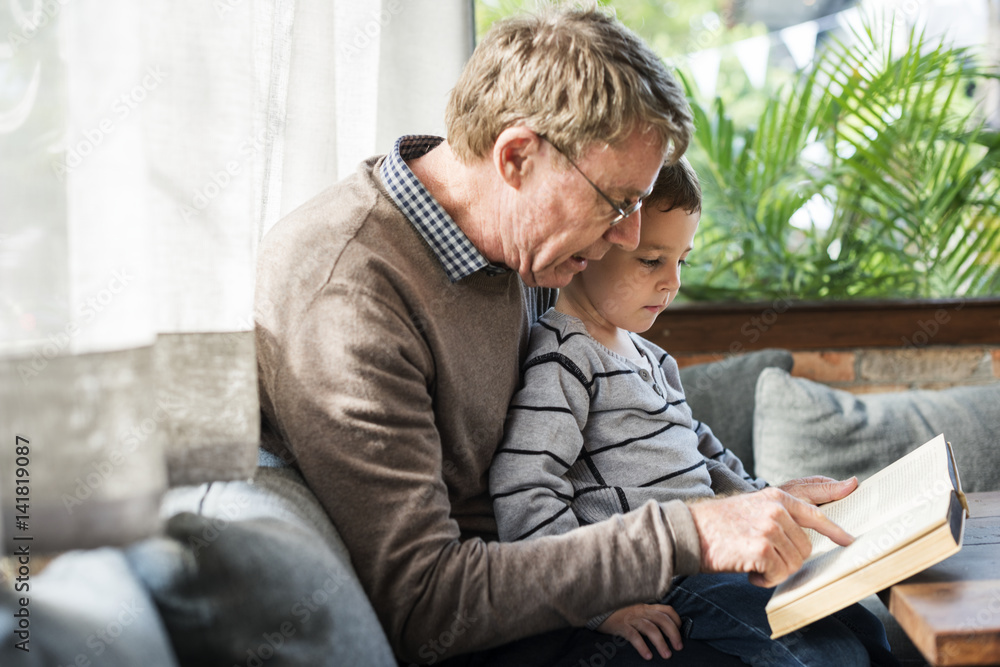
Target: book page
pixel 823 569
pixel 916 478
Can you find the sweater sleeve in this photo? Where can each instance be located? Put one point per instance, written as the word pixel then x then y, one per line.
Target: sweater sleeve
pixel 349 386
pixel 542 439
pixel 716 452
pixel 726 469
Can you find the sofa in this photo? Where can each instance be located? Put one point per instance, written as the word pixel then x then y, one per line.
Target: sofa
pixel 253 573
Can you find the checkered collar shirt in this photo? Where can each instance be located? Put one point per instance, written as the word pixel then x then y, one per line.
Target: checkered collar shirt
pixel 450 244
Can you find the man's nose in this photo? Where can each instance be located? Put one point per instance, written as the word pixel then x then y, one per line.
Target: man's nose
pixel 625 234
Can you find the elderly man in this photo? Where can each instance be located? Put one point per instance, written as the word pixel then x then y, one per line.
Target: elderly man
pixel 395 313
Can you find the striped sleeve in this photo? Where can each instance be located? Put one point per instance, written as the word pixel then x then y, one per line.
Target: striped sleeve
pixel 726 469
pixel 715 451
pixel 542 439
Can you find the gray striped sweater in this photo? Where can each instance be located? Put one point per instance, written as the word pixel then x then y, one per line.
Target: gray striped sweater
pixel 591 434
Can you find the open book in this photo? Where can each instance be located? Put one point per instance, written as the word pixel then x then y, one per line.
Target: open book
pixel 905 518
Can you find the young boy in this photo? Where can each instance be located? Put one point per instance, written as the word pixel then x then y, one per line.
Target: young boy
pixel 600 426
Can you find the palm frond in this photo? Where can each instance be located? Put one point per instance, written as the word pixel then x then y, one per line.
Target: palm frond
pixel 908 172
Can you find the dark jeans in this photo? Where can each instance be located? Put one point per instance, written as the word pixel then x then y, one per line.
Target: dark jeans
pixel 579 647
pixel 727 612
pixel 721 610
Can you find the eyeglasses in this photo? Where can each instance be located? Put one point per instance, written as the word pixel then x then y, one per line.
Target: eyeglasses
pixel 624 210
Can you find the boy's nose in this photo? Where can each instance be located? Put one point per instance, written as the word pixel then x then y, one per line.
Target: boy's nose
pixel 671 283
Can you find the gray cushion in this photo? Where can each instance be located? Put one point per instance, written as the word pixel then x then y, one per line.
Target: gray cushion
pixel 806 428
pixel 252 573
pixel 721 394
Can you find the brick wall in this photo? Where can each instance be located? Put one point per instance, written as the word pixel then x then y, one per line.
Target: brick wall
pixel 869 370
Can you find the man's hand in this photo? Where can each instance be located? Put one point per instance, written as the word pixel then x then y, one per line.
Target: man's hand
pixel 655 621
pixel 761 533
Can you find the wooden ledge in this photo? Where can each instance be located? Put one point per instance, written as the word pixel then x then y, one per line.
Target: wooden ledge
pixel 811 325
pixel 951 611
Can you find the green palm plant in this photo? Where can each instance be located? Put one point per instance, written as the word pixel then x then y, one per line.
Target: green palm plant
pixel 869 177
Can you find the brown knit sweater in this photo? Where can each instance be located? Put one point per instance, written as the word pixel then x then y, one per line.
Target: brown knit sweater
pixel 389 385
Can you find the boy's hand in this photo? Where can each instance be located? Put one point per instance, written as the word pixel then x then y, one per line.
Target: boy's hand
pixel 652 620
pixel 819 489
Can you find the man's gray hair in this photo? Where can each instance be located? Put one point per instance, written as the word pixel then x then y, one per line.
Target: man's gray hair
pixel 577 76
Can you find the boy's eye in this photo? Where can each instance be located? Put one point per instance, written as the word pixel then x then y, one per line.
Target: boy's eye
pixel 651 263
pixel 682 262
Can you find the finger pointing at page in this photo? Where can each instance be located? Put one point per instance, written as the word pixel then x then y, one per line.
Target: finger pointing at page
pixel 810 516
pixel 759 533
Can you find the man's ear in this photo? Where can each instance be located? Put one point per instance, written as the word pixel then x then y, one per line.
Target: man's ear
pixel 515 154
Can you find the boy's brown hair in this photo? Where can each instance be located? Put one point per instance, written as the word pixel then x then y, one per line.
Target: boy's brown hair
pixel 676 186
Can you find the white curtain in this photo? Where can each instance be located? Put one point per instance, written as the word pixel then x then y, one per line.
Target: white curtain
pixel 144 150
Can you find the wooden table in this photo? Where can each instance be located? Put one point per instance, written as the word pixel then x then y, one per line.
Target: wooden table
pixel 952 611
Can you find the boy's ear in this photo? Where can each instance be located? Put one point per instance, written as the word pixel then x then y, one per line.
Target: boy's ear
pixel 515 154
